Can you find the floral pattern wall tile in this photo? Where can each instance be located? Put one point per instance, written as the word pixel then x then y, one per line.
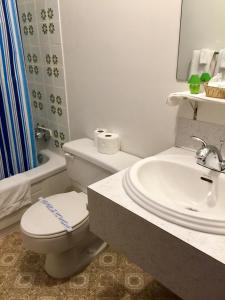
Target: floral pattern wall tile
pixel 43 53
pixel 60 136
pixel 48 22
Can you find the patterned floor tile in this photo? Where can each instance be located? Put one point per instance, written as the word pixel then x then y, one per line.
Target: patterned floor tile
pixel 24 280
pixel 79 282
pixel 108 259
pixel 134 281
pixel 111 276
pixel 8 259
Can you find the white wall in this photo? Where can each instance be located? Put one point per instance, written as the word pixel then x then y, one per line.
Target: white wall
pixel 120 58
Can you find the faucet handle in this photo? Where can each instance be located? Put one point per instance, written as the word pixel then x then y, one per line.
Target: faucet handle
pixel 204 144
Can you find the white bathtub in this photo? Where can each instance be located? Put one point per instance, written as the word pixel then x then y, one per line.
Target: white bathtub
pixel 53 164
pixel 47 179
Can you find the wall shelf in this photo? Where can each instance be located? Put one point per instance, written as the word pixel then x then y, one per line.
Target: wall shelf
pixel 175 98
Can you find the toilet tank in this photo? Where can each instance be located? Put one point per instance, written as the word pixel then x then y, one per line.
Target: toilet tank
pixel 85 165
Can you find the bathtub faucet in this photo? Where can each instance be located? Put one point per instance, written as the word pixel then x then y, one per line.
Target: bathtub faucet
pixel 42 133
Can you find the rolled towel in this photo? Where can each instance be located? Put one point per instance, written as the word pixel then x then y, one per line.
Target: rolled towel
pixel 174 99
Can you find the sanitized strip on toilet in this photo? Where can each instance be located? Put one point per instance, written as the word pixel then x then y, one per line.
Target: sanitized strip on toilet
pixel 56 214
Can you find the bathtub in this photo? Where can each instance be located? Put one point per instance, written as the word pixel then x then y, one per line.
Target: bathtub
pixel 49 178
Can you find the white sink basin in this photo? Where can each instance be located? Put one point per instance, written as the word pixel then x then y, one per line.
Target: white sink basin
pixel 178 190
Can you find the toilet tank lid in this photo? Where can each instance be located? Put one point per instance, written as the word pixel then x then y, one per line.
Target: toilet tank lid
pixel 85 149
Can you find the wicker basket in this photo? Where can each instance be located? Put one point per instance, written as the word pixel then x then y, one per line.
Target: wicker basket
pixel 214 92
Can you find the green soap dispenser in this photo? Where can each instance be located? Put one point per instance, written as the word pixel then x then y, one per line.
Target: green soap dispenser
pixel 205 78
pixel 194 84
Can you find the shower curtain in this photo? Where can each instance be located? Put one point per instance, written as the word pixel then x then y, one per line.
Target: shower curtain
pixel 17 142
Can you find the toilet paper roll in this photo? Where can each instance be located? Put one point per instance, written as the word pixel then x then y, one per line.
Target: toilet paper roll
pixel 108 143
pixel 97 132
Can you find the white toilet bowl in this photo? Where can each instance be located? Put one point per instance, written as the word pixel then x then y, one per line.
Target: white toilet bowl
pixel 67 253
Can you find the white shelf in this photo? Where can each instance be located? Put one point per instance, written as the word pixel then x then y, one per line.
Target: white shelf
pixel 175 98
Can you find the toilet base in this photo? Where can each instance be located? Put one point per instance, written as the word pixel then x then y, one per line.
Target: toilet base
pixel 73 261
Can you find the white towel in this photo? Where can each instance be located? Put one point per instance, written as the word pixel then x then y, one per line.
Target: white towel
pixel 15 193
pixel 220 64
pixel 174 99
pixel 205 56
pixel 201 61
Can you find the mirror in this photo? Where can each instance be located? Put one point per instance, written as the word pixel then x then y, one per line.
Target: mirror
pixel 202 26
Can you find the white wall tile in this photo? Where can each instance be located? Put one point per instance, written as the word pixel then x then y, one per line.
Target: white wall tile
pixel 41 86
pixel 53 5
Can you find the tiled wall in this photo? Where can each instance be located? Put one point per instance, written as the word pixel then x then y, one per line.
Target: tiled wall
pixel 40 27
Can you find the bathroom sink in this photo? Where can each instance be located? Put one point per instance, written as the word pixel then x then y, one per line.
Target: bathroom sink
pixel 175 188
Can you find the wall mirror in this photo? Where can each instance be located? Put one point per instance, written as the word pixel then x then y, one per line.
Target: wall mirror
pixel 202 26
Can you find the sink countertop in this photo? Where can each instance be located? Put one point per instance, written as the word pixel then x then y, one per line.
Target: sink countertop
pixel 210 244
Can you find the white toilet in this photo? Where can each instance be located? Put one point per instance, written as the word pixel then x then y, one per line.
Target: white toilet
pixel 68 252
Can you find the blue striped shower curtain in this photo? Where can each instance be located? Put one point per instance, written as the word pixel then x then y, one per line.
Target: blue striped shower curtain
pixel 17 142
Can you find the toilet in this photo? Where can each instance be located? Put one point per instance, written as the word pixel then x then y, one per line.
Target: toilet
pixel 58 226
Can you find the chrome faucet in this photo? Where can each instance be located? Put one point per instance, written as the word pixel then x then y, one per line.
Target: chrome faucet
pixel 209 156
pixel 42 133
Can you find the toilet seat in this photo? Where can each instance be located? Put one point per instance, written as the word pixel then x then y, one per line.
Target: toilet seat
pixel 39 222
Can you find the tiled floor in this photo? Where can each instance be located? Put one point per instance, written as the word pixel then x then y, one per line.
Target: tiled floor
pixel 109 277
